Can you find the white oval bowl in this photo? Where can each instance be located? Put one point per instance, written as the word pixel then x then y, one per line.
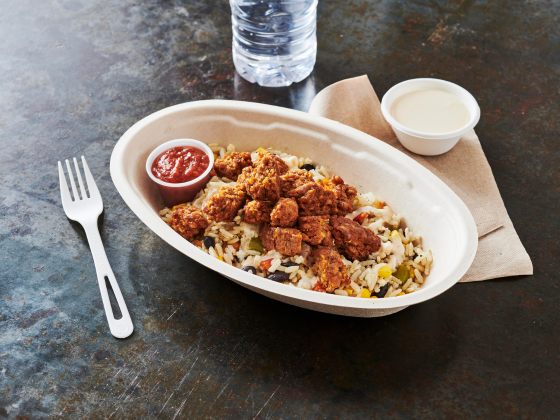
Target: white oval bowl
pixel 429 144
pixel 428 206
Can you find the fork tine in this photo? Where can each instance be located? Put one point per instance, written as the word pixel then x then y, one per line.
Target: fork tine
pixel 64 191
pixel 71 176
pixel 78 172
pixel 92 186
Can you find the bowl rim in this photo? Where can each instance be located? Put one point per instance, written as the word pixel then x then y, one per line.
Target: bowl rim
pixel 152 219
pixel 176 143
pixel 473 121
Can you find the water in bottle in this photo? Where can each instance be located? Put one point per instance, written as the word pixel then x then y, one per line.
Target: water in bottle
pixel 274 41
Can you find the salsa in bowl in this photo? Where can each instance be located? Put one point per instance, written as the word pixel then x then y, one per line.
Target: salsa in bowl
pixel 180 168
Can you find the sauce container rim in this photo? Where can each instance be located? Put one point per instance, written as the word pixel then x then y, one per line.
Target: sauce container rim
pixel 177 143
pixel 414 85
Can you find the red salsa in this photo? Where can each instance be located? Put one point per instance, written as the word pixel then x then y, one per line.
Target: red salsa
pixel 180 164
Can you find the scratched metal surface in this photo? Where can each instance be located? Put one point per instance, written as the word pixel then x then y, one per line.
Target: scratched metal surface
pixel 76 74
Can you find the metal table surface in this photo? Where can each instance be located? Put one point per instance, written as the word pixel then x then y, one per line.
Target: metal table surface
pixel 76 74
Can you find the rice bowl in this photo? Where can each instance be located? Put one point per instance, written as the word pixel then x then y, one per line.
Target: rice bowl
pixel 430 206
pixel 399 267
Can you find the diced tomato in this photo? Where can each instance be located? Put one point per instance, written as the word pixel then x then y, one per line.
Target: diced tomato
pixel 265 265
pixel 360 217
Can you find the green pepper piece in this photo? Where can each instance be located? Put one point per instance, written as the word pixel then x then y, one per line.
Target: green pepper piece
pixel 402 274
pixel 255 244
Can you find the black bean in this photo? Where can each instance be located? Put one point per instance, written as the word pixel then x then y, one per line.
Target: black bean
pixel 382 291
pixel 308 167
pixel 209 241
pixel 250 268
pixel 289 264
pixel 279 276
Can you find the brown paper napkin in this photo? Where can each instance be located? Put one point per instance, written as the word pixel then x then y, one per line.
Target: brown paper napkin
pixel 464 169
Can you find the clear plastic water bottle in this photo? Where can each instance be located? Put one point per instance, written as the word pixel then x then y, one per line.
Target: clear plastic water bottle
pixel 274 41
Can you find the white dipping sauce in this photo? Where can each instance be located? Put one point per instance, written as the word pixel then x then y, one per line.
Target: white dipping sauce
pixel 430 111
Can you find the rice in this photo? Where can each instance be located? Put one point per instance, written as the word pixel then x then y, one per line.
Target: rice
pixel 400 246
pixel 394 293
pixel 275 264
pixel 419 278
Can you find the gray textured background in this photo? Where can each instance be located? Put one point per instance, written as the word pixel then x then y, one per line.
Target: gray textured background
pixel 75 74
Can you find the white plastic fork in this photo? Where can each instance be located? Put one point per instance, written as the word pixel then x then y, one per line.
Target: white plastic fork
pixel 86 210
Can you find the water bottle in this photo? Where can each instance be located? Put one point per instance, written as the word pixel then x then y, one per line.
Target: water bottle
pixel 274 41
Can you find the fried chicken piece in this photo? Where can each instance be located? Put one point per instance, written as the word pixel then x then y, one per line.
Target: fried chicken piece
pixel 335 179
pixel 257 212
pixel 267 237
pixel 284 213
pixel 294 179
pixel 316 230
pixel 284 240
pixel 224 205
pixel 319 288
pixel 344 195
pixel 188 221
pixel 282 166
pixel 287 241
pixel 355 241
pixel 243 176
pixel 330 269
pixel 231 165
pixel 263 181
pixel 314 200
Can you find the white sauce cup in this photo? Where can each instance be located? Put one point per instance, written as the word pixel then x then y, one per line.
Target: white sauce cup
pixel 429 144
pixel 178 193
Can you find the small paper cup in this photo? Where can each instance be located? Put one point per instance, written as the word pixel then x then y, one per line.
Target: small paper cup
pixel 178 193
pixel 429 144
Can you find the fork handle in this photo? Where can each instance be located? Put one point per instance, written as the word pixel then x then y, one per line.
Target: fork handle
pixel 120 328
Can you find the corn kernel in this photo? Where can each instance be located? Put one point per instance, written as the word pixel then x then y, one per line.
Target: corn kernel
pixel 395 234
pixel 365 294
pixel 349 291
pixel 385 272
pixel 401 294
pixel 374 297
pixel 220 258
pixel 179 205
pixel 215 156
